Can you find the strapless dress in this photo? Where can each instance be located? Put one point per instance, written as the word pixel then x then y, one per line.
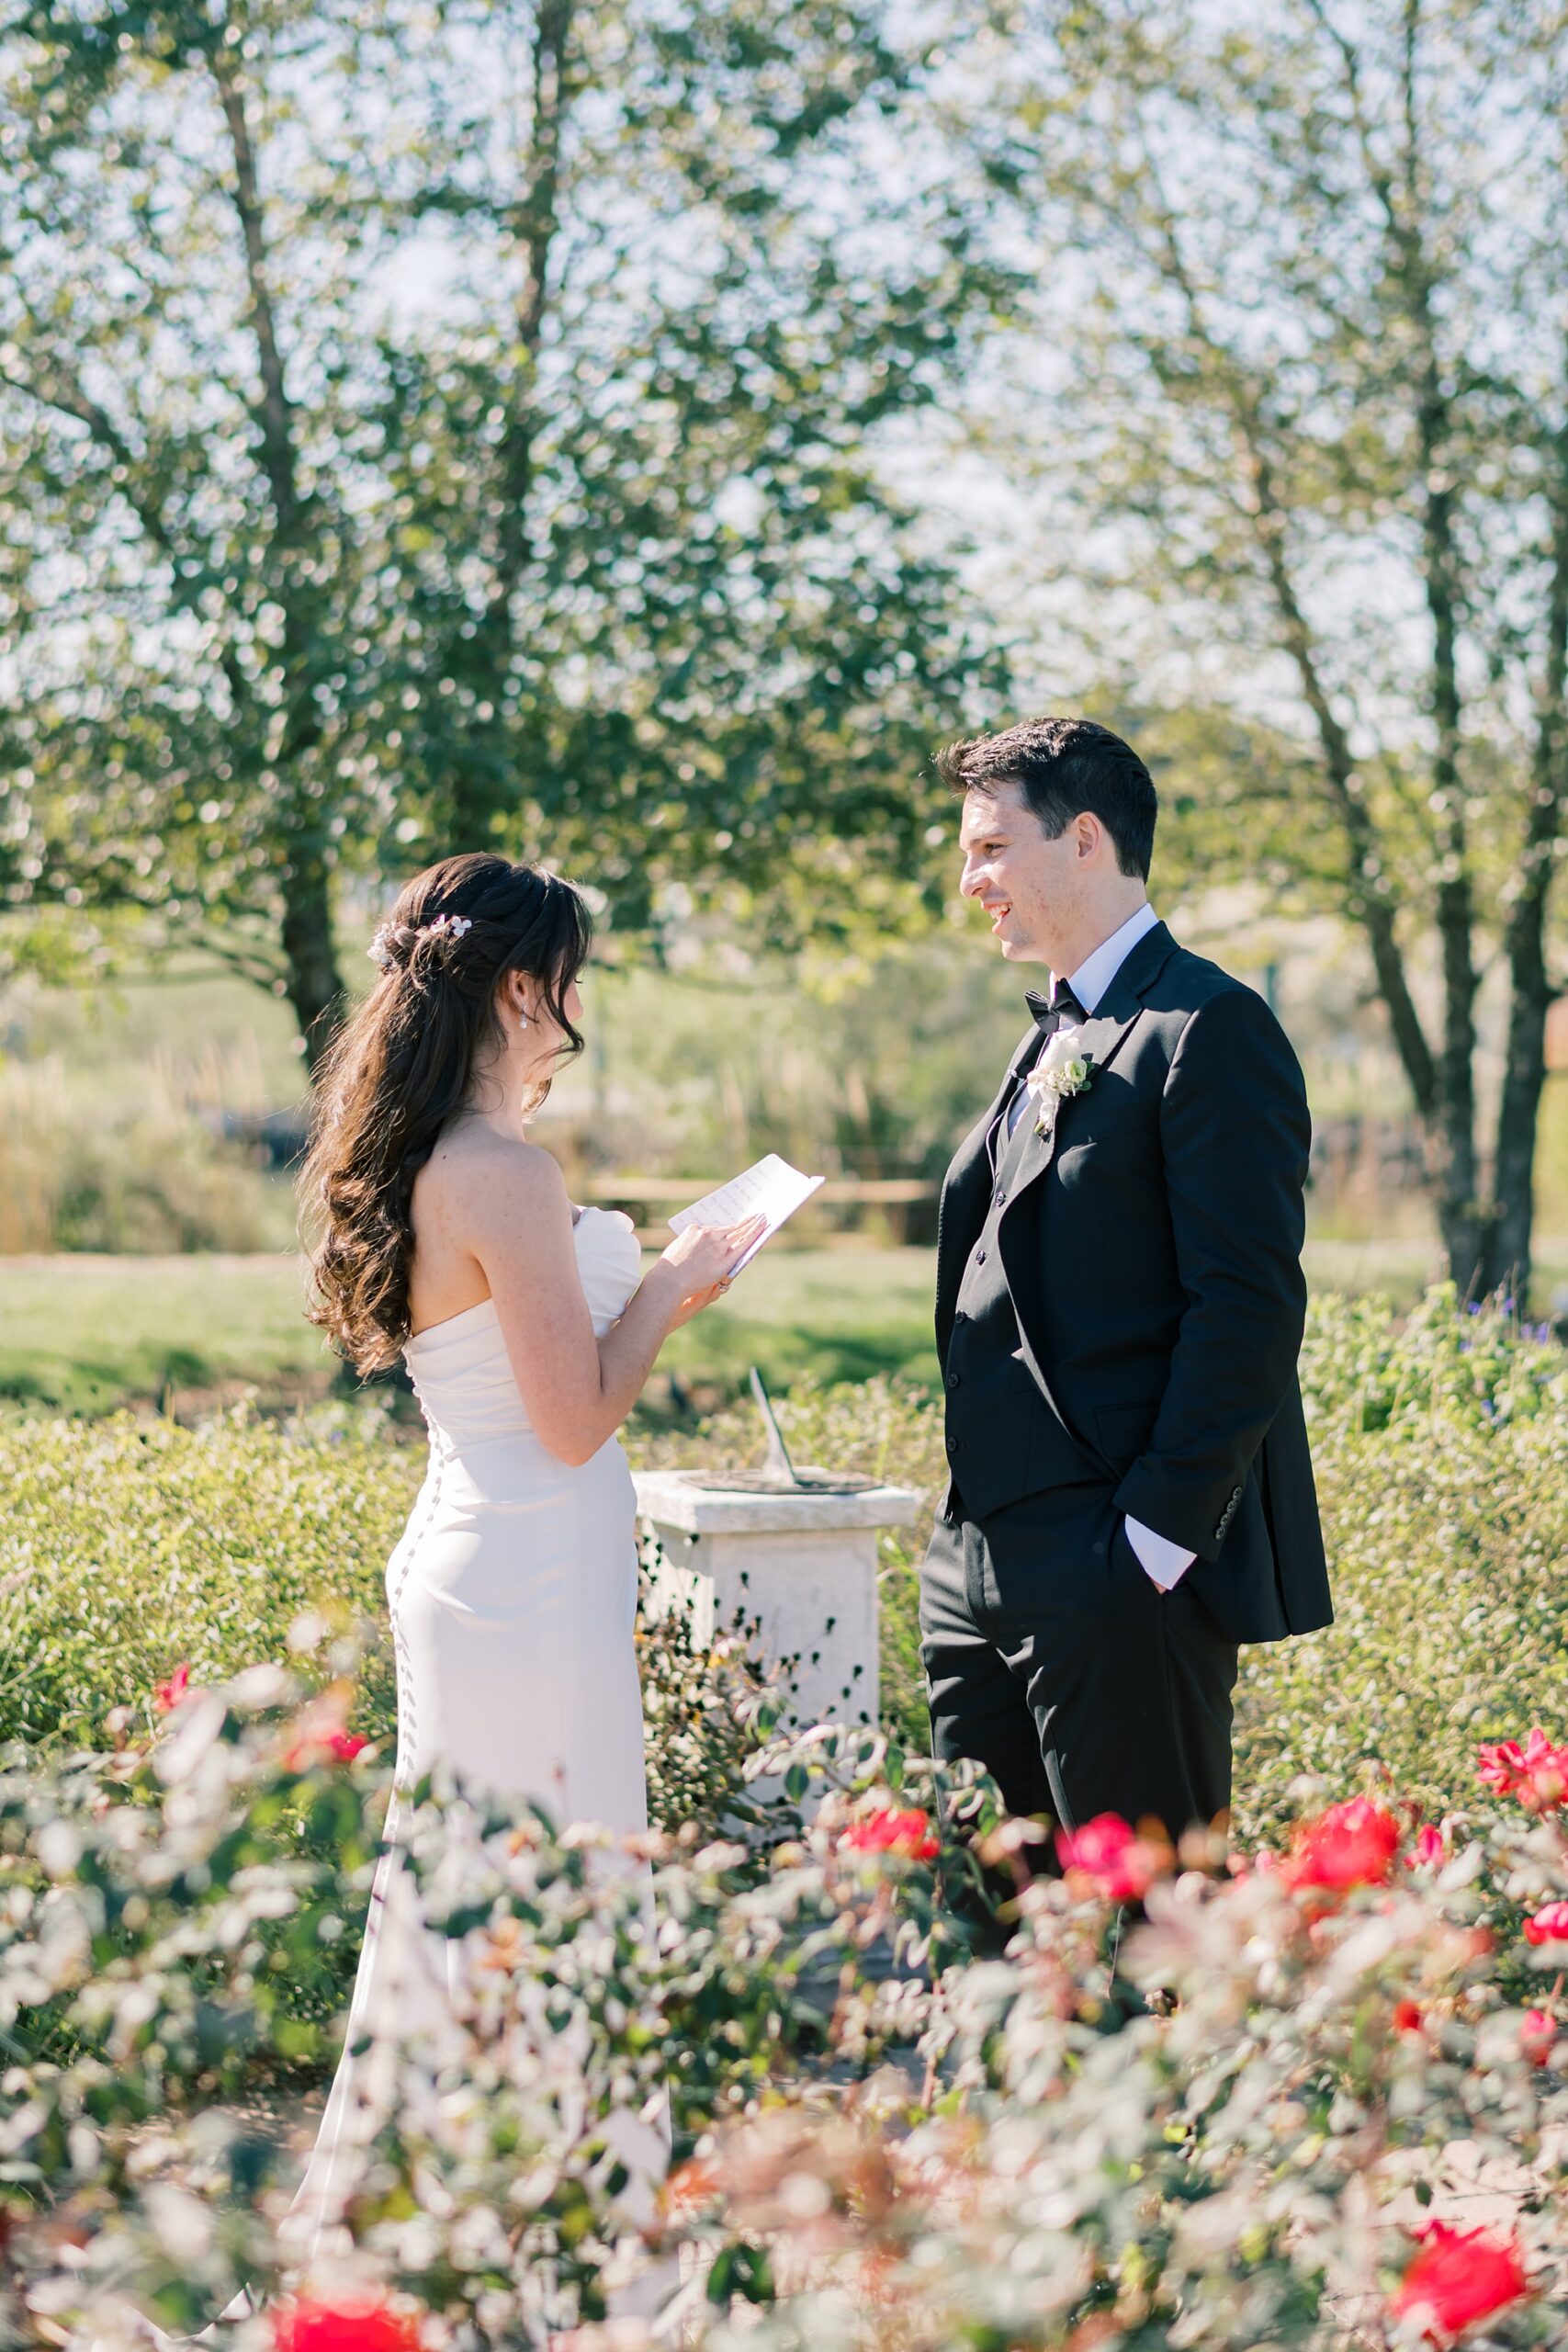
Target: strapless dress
pixel 512 1596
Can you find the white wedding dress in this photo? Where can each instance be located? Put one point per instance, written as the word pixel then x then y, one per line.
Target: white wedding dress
pixel 512 1596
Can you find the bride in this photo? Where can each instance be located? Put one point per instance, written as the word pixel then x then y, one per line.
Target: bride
pixel 528 1328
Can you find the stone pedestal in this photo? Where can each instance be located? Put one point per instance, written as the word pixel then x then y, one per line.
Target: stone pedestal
pixel 801 1566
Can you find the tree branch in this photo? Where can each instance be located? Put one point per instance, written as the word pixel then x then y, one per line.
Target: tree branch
pixel 1373 899
pixel 60 389
pixel 1524 939
pixel 275 414
pixel 533 223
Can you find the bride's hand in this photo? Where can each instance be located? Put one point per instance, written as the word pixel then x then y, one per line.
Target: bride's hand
pixel 700 1261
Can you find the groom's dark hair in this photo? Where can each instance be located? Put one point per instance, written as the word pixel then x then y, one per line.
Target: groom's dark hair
pixel 1062 766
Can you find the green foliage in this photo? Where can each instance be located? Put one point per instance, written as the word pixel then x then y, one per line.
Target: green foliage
pixel 1318 472
pixel 704 1705
pixel 1440 1442
pixel 1441 1450
pixel 467 429
pixel 156 1958
pixel 1217 2118
pixel 78 1173
pixel 129 1547
pixel 1440 1445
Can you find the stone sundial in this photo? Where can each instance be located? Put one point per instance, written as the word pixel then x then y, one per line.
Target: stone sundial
pixel 778 1475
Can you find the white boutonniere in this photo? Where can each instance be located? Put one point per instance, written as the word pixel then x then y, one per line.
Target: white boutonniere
pixel 1063 1069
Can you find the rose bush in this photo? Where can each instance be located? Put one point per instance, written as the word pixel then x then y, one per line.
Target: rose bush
pixel 1269 2123
pixel 1264 2106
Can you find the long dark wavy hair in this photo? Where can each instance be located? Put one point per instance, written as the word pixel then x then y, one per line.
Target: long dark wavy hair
pixel 401 1068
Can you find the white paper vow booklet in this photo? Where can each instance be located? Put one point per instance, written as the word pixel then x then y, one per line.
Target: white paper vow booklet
pixel 772 1189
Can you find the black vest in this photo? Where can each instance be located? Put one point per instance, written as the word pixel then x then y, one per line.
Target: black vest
pixel 1003 1438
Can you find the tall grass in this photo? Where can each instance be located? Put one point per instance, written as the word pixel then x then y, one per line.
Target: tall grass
pixel 134 1168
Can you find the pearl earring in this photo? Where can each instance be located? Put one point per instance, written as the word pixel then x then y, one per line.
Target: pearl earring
pixel 522 1021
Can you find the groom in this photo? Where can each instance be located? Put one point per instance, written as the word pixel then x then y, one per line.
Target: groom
pixel 1118 1315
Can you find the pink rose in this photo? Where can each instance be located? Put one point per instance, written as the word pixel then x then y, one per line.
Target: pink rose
pixel 1459 2276
pixel 907 1834
pixel 1535 1775
pixel 1548 1925
pixel 166 1697
pixel 1536 2036
pixel 1122 1865
pixel 1352 1844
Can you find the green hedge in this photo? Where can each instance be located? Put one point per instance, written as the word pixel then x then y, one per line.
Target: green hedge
pixel 1440 1443
pixel 1441 1446
pixel 126 1546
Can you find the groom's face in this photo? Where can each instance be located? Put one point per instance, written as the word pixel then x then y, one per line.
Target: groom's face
pixel 1028 884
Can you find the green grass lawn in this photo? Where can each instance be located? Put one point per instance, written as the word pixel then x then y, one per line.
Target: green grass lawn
pixel 83 1334
pixel 842 1314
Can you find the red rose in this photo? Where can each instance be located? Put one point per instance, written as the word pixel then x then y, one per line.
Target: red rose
pixel 1459 2276
pixel 319 1733
pixel 691 2187
pixel 1429 1848
pixel 1549 1926
pixel 1536 1775
pixel 1407 2016
pixel 1350 1844
pixel 891 1832
pixel 166 1697
pixel 1123 1865
pixel 344 2327
pixel 1538 2036
pixel 314 1746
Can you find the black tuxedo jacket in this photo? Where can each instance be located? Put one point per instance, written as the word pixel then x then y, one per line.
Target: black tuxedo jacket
pixel 1151 1249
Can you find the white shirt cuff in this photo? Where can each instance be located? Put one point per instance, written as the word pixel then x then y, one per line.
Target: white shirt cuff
pixel 1163 1563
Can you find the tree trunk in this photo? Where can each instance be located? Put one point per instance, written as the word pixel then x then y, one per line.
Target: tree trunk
pixel 315 985
pixel 1462 1220
pixel 480 759
pixel 1524 1072
pixel 1464 1223
pixel 1508 1262
pixel 315 989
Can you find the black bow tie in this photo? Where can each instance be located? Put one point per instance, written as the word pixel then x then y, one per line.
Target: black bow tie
pixel 1054 1012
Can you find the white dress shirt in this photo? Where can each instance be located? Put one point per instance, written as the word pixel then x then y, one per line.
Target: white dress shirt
pixel 1097 971
pixel 1094 975
pixel 1163 1563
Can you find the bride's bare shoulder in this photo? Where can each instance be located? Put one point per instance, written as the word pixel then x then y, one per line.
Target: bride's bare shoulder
pixel 490 1178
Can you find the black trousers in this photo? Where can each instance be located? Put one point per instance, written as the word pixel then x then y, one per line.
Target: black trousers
pixel 1053 1659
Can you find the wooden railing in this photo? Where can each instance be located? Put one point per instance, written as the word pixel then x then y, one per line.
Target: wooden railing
pixel 648 1199
pixel 660 1192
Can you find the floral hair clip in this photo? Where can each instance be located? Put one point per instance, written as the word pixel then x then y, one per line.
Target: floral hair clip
pixel 390 937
